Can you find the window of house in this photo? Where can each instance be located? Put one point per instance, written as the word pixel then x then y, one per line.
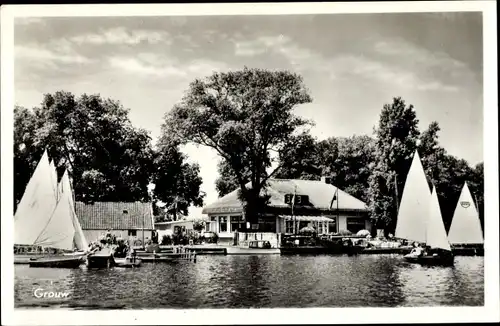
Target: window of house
pixel 267 226
pixel 288 226
pixel 223 224
pixel 213 218
pixel 332 226
pixel 235 223
pixel 355 224
pixel 207 226
pixel 132 233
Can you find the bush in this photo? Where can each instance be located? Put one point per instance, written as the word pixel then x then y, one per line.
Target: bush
pixel 199 225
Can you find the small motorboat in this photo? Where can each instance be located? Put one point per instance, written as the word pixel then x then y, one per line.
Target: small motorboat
pixel 128 262
pixel 57 262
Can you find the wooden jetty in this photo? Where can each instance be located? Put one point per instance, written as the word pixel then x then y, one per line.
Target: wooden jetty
pixel 168 255
pixel 209 250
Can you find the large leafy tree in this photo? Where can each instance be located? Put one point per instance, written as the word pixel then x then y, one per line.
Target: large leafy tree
pixel 396 140
pixel 107 157
pixel 93 138
pixel 177 182
pixel 244 115
pixel 347 160
pixel 302 160
pixel 352 165
pixel 227 181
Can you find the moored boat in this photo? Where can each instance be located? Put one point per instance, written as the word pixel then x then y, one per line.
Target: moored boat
pixel 420 220
pixel 465 234
pixel 46 227
pixel 128 262
pixel 253 247
pixel 58 262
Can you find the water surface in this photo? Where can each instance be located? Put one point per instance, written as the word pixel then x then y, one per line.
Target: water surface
pixel 259 281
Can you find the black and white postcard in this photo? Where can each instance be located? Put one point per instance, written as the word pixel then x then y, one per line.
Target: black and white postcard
pixel 250 163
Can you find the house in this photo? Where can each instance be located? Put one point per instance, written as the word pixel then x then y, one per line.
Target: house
pixel 129 220
pixel 314 206
pixel 187 223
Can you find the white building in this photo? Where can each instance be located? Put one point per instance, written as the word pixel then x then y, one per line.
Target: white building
pixel 315 206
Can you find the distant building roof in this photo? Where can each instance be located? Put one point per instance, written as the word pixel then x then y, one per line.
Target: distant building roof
pixel 115 215
pixel 320 196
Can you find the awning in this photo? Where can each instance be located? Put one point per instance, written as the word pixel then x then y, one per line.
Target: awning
pixel 303 218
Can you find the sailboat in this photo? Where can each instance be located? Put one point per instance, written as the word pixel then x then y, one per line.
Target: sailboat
pixel 465 231
pixel 439 252
pixel 48 217
pixel 419 218
pixel 36 205
pixel 414 205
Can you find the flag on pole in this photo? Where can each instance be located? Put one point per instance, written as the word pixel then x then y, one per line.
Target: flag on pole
pixel 335 195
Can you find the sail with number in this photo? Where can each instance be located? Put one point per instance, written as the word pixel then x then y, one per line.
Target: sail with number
pixel 414 207
pixel 37 204
pixel 465 227
pixel 435 236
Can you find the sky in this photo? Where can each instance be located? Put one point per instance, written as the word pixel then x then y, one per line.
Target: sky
pixel 352 64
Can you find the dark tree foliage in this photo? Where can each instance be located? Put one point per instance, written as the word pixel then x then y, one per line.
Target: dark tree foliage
pixel 227 181
pixel 244 115
pixel 177 183
pixel 108 158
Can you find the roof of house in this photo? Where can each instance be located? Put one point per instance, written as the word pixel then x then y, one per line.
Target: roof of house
pixel 115 215
pixel 320 196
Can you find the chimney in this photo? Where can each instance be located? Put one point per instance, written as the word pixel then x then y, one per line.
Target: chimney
pixel 327 180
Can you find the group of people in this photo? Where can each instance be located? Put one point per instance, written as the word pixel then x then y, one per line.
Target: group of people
pixel 418 251
pixel 121 246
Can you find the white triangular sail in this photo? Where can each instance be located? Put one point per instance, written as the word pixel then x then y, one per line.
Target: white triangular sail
pixel 79 240
pixel 465 227
pixel 59 185
pixel 36 206
pixel 53 177
pixel 414 207
pixel 435 231
pixel 59 231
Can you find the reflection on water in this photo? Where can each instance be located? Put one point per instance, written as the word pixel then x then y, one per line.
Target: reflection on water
pixel 260 281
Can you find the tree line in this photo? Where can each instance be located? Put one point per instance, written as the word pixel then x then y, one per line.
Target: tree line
pixel 247 117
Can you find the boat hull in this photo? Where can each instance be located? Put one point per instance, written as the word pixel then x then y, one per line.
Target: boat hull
pixel 59 262
pixel 127 263
pixel 431 260
pixel 468 251
pixel 103 258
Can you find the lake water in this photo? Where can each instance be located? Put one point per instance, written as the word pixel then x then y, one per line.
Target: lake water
pixel 259 281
